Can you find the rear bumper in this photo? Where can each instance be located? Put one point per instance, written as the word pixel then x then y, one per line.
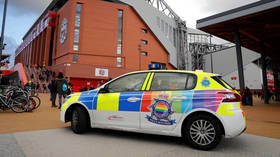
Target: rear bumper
pixel 243 130
pixel 234 125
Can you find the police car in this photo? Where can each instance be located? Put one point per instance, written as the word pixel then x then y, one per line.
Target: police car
pixel 197 106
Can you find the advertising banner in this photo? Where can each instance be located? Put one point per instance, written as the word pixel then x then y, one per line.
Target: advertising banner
pixel 101 72
pixel 270 79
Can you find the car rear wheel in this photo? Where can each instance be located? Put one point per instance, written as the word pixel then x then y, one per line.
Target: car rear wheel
pixel 202 132
pixel 79 121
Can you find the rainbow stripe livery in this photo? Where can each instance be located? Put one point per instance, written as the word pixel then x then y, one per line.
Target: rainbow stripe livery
pixel 195 105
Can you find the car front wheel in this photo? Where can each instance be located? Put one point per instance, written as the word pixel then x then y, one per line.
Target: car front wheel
pixel 202 132
pixel 79 121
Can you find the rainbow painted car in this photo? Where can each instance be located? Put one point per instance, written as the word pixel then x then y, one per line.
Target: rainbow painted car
pixel 198 106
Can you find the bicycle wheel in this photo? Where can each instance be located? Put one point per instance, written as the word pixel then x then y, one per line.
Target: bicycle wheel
pixel 3 106
pixel 20 104
pixel 32 104
pixel 37 100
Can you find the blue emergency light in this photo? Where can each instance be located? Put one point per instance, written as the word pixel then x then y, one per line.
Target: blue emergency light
pixel 155 66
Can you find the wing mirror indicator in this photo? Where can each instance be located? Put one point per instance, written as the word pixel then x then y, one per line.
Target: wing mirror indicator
pixel 103 90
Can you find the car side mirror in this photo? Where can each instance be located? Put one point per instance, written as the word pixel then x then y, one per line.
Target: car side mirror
pixel 104 90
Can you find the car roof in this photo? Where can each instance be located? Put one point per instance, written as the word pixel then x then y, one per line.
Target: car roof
pixel 179 71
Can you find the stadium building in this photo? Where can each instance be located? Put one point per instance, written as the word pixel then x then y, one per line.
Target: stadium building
pixel 93 40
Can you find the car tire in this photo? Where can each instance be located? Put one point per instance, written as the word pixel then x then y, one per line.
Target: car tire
pixel 202 132
pixel 79 121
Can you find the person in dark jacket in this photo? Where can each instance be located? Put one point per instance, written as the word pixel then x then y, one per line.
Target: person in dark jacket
pixel 53 92
pixel 61 87
pixel 70 88
pixel 37 87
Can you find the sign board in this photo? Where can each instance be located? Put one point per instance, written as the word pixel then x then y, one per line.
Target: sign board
pixel 270 79
pixel 63 31
pixel 101 72
pixel 233 78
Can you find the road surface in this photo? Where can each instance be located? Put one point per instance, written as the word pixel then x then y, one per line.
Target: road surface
pixel 105 143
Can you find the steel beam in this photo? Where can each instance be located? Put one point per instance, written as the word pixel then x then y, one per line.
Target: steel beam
pixel 3 28
pixel 264 74
pixel 162 6
pixel 239 60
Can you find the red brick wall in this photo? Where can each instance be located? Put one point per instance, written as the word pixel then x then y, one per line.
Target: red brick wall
pixel 98 41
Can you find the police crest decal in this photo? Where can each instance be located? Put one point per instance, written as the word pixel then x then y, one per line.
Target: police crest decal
pixel 161 111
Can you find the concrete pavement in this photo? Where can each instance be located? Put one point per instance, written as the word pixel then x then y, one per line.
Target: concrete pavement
pixel 9 147
pixel 106 143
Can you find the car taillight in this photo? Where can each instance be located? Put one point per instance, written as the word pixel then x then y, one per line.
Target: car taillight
pixel 243 114
pixel 230 97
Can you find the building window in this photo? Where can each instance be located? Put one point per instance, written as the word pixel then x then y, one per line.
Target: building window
pixel 77 26
pixel 78 8
pixel 77 20
pixel 119 62
pixel 143 53
pixel 120 32
pixel 76 35
pixel 144 42
pixel 75 58
pixel 144 30
pixel 76 47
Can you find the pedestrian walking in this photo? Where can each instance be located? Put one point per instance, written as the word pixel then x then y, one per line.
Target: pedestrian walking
pixel 44 88
pixel 38 87
pixel 61 87
pixel 70 88
pixel 52 87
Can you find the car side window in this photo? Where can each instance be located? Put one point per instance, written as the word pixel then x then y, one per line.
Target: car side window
pixel 129 83
pixel 191 82
pixel 173 81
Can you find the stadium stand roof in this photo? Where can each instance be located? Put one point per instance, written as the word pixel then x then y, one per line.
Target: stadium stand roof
pixel 258 24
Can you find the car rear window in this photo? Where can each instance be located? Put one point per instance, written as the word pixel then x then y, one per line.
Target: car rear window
pixel 221 82
pixel 173 81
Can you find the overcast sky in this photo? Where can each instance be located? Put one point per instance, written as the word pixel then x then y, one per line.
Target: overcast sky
pixel 23 13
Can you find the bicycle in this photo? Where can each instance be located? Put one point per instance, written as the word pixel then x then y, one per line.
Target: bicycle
pixel 34 101
pixel 16 103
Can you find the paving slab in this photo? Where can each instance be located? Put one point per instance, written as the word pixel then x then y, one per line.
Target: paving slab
pixel 9 147
pixel 107 143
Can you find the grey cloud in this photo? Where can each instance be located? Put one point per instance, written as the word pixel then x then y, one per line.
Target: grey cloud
pixel 20 7
pixel 10 48
pixel 217 6
pixel 11 44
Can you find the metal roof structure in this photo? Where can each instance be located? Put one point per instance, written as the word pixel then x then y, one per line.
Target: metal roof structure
pixel 255 26
pixel 258 24
pixel 4 57
pixel 167 26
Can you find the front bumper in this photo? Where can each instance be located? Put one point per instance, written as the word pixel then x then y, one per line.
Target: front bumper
pixel 62 116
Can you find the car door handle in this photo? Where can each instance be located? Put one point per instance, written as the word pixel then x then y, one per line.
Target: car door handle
pixel 179 98
pixel 133 99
